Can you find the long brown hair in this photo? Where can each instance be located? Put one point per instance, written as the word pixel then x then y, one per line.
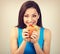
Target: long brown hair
pixel 24 7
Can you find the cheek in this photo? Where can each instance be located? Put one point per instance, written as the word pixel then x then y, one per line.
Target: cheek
pixel 25 21
pixel 35 21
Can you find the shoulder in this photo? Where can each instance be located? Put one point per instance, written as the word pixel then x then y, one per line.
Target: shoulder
pixel 47 34
pixel 47 31
pixel 14 31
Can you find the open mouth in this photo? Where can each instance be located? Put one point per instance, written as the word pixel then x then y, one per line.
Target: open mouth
pixel 30 23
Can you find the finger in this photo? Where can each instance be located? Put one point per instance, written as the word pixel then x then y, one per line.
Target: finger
pixel 33 36
pixel 25 30
pixel 26 37
pixel 35 33
pixel 27 34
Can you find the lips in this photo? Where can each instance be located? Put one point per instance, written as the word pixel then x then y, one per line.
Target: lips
pixel 30 23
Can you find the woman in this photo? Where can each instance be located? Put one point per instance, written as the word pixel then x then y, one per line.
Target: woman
pixel 39 41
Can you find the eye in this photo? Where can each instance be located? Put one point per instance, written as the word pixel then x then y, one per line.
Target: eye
pixel 34 16
pixel 26 16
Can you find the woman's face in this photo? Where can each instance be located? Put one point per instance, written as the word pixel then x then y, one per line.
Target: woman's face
pixel 31 16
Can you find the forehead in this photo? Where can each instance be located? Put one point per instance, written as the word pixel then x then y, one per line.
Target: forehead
pixel 31 11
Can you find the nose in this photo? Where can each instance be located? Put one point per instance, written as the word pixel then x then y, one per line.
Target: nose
pixel 30 19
